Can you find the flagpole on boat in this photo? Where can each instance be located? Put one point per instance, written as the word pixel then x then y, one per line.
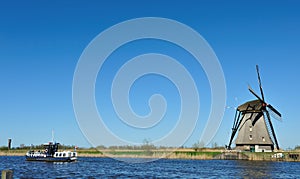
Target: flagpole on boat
pixel 52 135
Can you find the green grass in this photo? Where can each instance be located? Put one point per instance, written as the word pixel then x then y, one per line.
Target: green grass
pixel 139 153
pixel 197 153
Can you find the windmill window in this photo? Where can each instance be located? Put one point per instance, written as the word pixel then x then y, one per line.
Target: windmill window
pixel 250 128
pixel 263 139
pixel 250 137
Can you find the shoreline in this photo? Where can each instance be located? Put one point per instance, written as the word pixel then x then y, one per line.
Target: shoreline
pixel 186 154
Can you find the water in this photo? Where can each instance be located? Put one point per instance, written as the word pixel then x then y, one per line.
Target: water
pixel 165 168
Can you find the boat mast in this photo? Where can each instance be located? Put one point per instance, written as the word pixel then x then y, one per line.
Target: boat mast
pixel 52 135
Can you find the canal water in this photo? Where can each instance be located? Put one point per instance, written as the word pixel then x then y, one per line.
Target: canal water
pixel 164 168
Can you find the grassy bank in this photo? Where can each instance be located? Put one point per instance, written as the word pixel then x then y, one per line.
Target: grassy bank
pixel 206 154
pixel 177 154
pixel 19 152
pixel 166 153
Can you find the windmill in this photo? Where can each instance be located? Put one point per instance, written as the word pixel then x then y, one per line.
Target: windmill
pixel 253 123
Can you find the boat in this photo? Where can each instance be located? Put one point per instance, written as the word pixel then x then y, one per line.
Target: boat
pixel 51 154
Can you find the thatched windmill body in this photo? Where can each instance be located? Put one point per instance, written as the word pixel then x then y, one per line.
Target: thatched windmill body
pixel 253 124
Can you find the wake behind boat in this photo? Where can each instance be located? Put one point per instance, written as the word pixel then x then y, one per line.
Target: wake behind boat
pixel 51 154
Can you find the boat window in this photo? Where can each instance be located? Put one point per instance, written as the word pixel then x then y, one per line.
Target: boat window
pixel 60 154
pixel 64 154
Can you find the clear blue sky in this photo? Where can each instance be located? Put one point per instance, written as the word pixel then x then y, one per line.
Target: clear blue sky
pixel 41 42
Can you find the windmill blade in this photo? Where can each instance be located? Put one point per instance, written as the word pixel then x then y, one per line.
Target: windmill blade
pixel 274 110
pixel 273 114
pixel 259 81
pixel 272 129
pixel 251 90
pixel 258 116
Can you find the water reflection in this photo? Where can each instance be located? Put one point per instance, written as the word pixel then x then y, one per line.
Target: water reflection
pixel 255 169
pixel 265 169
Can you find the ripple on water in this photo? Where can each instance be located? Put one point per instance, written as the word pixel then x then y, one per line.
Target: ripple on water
pixel 164 168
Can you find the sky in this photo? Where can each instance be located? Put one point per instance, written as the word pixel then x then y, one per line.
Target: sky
pixel 41 43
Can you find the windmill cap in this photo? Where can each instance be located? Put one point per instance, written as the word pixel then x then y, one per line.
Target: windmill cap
pixel 250 105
